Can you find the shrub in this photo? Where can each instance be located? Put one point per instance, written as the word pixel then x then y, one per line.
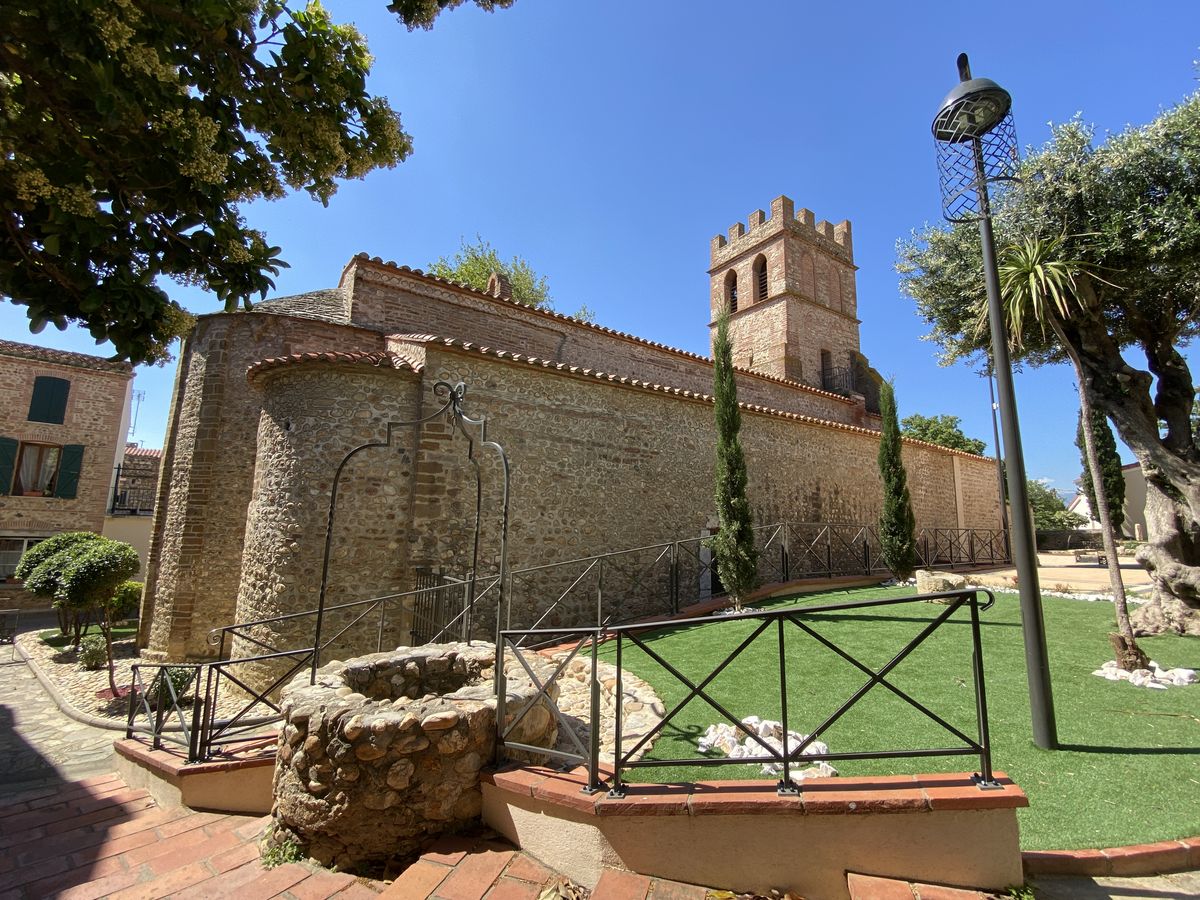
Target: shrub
pixel 179 678
pixel 93 652
pixel 43 550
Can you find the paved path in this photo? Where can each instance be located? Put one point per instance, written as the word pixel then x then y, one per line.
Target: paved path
pixel 40 744
pixel 1058 572
pixel 69 831
pixel 1179 886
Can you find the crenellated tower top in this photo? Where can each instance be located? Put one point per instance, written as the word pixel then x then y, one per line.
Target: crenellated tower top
pixel 788 281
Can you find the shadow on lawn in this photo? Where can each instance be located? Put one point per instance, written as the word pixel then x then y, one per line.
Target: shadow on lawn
pixel 1132 751
pixel 984 622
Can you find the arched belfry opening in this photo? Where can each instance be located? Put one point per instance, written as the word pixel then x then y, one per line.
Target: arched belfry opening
pixel 760 279
pixel 796 298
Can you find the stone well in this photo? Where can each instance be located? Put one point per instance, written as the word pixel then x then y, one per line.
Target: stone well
pixel 384 751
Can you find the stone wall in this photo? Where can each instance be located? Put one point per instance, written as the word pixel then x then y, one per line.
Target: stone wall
pixel 599 463
pixel 208 472
pixel 398 301
pixel 612 467
pixel 312 417
pixel 95 405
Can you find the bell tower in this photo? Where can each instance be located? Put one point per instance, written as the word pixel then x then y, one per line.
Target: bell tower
pixel 789 284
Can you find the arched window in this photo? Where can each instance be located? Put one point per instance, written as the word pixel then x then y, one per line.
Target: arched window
pixel 731 293
pixel 760 279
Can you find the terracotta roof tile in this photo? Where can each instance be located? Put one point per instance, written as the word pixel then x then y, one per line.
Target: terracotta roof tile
pixel 135 450
pixel 63 357
pixel 407 270
pixel 381 358
pixel 656 388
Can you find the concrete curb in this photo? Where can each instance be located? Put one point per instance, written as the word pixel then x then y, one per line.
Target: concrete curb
pixel 63 704
pixel 1158 858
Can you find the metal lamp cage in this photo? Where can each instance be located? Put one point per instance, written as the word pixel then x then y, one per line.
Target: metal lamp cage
pixel 969 165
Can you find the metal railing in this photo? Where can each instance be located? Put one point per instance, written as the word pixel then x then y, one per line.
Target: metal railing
pixel 230 706
pixel 839 379
pixel 643 636
pixel 131 498
pixel 162 709
pixel 660 579
pixel 603 591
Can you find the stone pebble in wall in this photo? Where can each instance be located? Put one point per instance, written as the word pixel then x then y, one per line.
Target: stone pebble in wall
pixel 384 750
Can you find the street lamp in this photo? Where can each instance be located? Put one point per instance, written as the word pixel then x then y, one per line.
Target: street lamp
pixel 977 147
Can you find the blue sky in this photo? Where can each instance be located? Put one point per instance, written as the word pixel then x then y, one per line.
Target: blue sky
pixel 608 142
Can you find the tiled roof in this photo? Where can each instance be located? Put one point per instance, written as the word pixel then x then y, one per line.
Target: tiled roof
pixel 381 358
pixel 598 375
pixel 135 450
pixel 326 306
pixel 798 385
pixel 63 357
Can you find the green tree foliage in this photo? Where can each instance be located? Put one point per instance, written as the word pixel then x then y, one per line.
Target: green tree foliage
pixel 1049 511
pixel 96 570
pixel 45 584
pixel 1124 210
pixel 131 132
pixel 733 545
pixel 421 13
pixel 41 568
pixel 1111 476
pixel 474 264
pixel 96 579
pixel 941 430
pixel 897 524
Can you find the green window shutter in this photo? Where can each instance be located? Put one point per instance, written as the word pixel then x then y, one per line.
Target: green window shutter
pixel 8 460
pixel 49 401
pixel 68 471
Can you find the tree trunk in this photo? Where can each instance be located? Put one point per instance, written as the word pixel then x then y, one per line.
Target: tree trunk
pixel 107 626
pixel 1170 463
pixel 1170 543
pixel 1129 655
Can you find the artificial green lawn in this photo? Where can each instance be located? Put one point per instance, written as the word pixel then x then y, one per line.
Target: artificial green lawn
pixel 1129 768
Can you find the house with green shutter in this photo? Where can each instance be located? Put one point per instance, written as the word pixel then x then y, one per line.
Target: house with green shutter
pixel 63 421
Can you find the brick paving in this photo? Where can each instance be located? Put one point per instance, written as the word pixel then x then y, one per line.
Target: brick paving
pixel 68 831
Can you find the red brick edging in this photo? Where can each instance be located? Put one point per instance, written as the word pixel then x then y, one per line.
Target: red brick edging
pixel 1138 859
pixel 872 794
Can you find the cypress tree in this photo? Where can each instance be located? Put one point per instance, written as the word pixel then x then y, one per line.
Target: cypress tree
pixel 897 525
pixel 733 544
pixel 1110 469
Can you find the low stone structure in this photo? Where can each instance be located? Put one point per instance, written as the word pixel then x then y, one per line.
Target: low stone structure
pixel 384 751
pixel 930 582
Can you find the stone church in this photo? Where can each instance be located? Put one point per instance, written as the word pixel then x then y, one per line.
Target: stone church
pixel 610 436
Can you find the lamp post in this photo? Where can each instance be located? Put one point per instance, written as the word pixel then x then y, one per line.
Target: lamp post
pixel 977 146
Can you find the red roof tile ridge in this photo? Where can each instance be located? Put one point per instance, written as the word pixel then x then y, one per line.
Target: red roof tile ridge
pixel 380 358
pixel 63 357
pixel 408 270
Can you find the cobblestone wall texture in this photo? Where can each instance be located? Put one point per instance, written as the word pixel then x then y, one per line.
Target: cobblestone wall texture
pixel 610 441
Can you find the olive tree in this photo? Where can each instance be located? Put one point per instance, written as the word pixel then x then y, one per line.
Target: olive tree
pixel 1124 208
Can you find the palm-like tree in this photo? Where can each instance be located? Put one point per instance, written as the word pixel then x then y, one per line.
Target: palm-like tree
pixel 1039 283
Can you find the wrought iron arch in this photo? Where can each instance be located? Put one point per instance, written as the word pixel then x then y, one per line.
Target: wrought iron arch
pixel 453 409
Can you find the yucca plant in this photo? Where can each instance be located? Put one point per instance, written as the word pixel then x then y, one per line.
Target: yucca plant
pixel 1041 283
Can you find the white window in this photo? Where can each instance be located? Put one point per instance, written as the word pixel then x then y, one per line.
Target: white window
pixel 11 551
pixel 37 467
